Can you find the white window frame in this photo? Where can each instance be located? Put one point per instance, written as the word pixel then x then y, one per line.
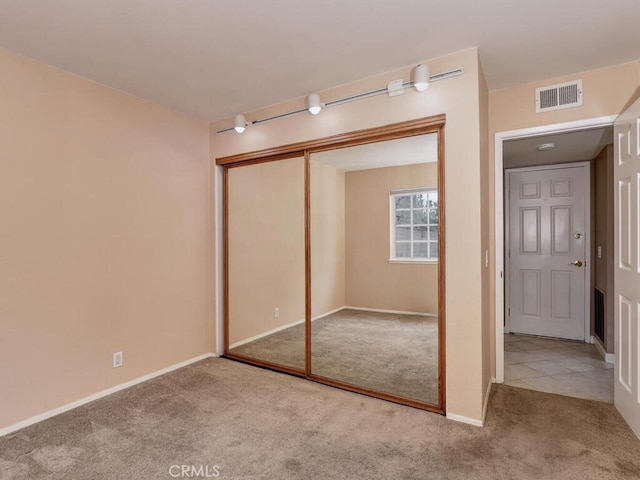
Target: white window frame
pixel 392 227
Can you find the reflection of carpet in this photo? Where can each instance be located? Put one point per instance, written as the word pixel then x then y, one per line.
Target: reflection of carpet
pixel 389 353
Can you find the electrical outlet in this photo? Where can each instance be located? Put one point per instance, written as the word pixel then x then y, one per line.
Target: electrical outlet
pixel 276 312
pixel 118 360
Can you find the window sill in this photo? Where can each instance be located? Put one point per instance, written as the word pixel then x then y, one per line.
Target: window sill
pixel 413 262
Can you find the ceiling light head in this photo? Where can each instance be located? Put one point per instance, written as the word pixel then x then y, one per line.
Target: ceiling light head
pixel 543 147
pixel 239 123
pixel 421 77
pixel 314 105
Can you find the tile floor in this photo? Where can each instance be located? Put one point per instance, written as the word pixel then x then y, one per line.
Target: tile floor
pixel 565 367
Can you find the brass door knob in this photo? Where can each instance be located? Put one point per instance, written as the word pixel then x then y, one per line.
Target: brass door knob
pixel 577 263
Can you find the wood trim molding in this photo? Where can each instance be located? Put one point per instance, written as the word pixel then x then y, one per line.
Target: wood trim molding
pixel 264 364
pixel 358 137
pixel 307 262
pixel 253 160
pixel 225 247
pixel 442 298
pixel 376 394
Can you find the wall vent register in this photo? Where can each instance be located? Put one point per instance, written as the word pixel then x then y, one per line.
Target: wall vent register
pixel 556 97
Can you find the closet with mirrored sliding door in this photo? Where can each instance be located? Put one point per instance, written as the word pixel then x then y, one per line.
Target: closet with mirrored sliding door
pixel 334 261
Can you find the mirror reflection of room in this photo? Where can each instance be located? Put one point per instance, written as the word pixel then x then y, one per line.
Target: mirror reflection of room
pixel 374 258
pixel 266 262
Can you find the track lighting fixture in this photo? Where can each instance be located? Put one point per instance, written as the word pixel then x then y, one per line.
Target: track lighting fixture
pixel 421 77
pixel 239 123
pixel 313 104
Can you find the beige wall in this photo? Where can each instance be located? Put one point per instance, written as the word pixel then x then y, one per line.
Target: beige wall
pixel 327 239
pixel 104 238
pixel 458 98
pixel 606 92
pixel 373 282
pixel 603 227
pixel 266 247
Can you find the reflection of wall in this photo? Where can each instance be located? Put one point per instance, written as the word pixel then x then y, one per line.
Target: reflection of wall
pixel 327 239
pixel 371 281
pixel 349 244
pixel 266 247
pixel 603 223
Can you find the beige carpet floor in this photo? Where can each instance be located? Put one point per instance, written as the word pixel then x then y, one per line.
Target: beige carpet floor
pixel 389 353
pixel 252 423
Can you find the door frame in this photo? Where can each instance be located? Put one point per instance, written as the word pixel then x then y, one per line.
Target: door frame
pixel 587 254
pixel 499 220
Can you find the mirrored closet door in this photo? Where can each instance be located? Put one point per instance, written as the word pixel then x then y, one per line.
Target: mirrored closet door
pixel 266 262
pixel 334 261
pixel 374 258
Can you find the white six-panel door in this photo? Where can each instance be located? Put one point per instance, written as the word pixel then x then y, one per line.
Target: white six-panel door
pixel 547 251
pixel 627 264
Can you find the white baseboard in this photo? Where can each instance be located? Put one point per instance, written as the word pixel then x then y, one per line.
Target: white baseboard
pixel 473 421
pixel 492 380
pixel 607 357
pixel 398 312
pixel 96 396
pixel 463 419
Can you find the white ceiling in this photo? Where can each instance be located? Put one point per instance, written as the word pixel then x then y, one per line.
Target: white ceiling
pixel 216 58
pixel 570 147
pixel 390 153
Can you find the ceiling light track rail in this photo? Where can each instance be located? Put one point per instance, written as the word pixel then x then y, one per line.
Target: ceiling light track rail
pixel 278 117
pixel 449 74
pixel 421 80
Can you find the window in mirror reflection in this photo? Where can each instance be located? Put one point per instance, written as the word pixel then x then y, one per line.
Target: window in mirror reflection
pixel 414 224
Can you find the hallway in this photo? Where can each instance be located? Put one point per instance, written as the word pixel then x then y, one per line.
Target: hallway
pixel 565 367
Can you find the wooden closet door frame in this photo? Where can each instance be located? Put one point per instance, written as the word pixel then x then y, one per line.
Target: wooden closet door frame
pixel 433 124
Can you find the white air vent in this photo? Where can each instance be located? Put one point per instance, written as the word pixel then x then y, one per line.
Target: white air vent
pixel 555 97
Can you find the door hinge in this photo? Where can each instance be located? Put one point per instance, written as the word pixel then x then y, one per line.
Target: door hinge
pixel 509 314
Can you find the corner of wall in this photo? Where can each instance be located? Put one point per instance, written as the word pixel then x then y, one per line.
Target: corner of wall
pixel 488 347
